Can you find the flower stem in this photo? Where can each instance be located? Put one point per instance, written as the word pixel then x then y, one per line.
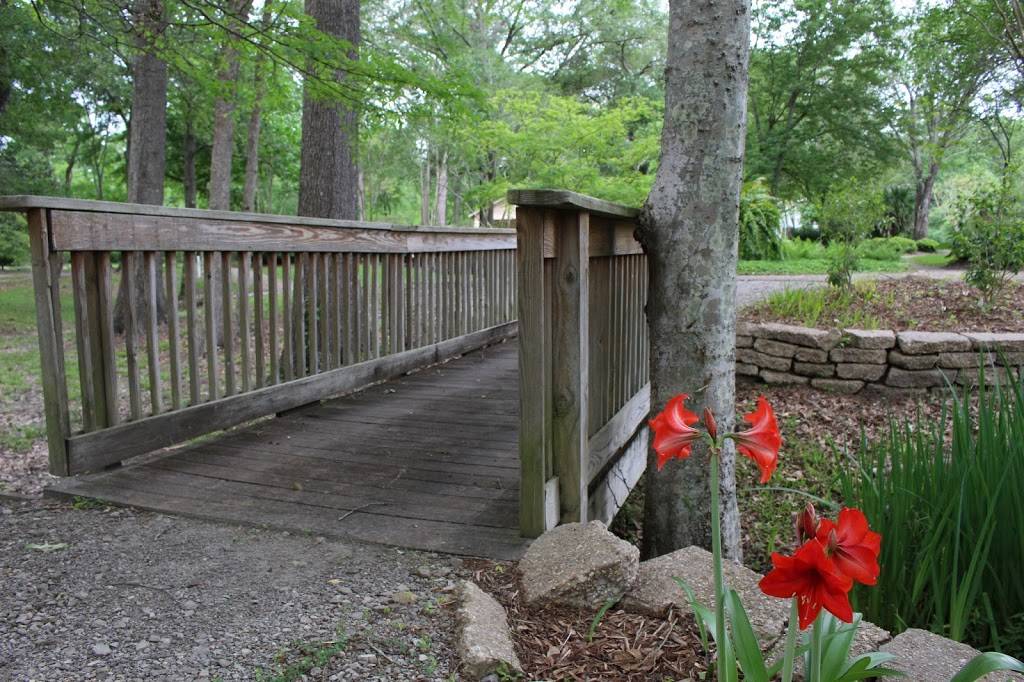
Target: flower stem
pixel 789 653
pixel 814 673
pixel 716 553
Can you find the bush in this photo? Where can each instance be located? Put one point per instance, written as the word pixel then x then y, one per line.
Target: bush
pixel 903 244
pixel 989 235
pixel 880 248
pixel 951 513
pixel 927 245
pixel 899 211
pixel 847 215
pixel 14 248
pixel 801 249
pixel 760 223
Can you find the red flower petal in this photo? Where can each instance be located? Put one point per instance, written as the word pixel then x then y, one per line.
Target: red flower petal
pixel 811 577
pixel 674 434
pixel 761 442
pixel 856 547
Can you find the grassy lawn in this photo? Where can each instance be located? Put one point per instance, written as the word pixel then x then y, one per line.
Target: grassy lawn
pixel 811 266
pixel 933 260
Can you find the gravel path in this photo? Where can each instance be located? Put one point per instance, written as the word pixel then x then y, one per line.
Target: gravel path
pixel 114 594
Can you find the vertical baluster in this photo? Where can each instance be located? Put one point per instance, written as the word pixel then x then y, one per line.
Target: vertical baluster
pixel 299 313
pixel 105 318
pixel 152 333
pixel 228 324
pixel 374 321
pixel 364 307
pixel 275 367
pixel 337 283
pixel 326 313
pixel 209 294
pixel 191 332
pixel 173 326
pixel 348 309
pixel 244 330
pixel 312 307
pixel 85 341
pixel 287 318
pixel 257 306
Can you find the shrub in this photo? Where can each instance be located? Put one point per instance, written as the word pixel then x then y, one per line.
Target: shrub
pixel 951 513
pixel 14 248
pixel 847 215
pixel 990 237
pixel 899 211
pixel 927 245
pixel 880 248
pixel 801 249
pixel 903 244
pixel 760 222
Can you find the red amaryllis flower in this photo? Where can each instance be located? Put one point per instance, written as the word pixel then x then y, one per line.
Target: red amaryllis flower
pixel 852 546
pixel 807 523
pixel 811 577
pixel 761 442
pixel 673 430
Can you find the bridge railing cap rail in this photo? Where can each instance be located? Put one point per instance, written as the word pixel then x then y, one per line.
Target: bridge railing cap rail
pixel 566 200
pixel 24 202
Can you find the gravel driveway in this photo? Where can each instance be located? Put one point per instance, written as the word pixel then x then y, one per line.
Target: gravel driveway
pixel 113 594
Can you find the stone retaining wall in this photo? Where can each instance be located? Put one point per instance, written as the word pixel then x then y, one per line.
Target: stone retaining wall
pixel 852 360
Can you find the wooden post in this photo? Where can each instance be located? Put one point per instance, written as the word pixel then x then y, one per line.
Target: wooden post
pixel 46 268
pixel 570 350
pixel 532 347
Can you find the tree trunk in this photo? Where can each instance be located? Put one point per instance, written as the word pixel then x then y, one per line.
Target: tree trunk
pixel 252 138
pixel 223 144
pixel 441 199
pixel 252 159
pixel 328 180
pixel 188 173
pixel 147 141
pixel 425 191
pixel 923 201
pixel 689 230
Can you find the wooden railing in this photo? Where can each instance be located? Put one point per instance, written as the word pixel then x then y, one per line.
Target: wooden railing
pixel 583 357
pixel 261 314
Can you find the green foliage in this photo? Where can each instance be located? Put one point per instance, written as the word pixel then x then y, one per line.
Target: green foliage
pixel 14 248
pixel 990 237
pixel 811 266
pixel 927 245
pixel 821 306
pixel 847 215
pixel 800 249
pixel 760 218
pixel 950 513
pixel 903 244
pixel 899 210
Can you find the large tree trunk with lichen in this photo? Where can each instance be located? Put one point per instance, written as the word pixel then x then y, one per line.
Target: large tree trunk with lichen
pixel 689 230
pixel 147 142
pixel 328 178
pixel 923 201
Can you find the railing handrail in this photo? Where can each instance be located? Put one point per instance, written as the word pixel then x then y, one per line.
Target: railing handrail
pixel 564 199
pixel 24 202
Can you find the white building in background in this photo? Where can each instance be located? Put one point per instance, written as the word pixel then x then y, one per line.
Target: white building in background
pixel 503 215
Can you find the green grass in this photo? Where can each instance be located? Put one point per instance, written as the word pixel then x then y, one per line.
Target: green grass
pixel 826 306
pixel 950 511
pixel 295 661
pixel 19 438
pixel 811 266
pixel 933 260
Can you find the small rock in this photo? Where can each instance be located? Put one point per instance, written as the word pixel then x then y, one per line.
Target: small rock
pixel 484 643
pixel 424 572
pixel 403 597
pixel 578 564
pixel 101 649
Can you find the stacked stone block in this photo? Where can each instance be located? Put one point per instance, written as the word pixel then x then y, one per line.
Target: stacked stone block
pixel 882 361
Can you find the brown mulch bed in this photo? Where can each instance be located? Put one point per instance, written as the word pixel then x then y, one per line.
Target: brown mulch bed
pixel 921 303
pixel 552 643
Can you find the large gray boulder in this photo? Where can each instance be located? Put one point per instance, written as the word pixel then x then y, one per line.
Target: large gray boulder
pixel 656 590
pixel 581 565
pixel 926 657
pixel 484 643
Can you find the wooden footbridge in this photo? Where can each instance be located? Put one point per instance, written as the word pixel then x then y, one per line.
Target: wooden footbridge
pixel 450 389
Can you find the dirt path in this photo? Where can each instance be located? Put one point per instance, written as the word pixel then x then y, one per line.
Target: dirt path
pixel 114 594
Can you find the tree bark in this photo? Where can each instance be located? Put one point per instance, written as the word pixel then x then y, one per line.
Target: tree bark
pixel 425 191
pixel 689 230
pixel 441 198
pixel 923 200
pixel 328 179
pixel 147 139
pixel 188 174
pixel 223 144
